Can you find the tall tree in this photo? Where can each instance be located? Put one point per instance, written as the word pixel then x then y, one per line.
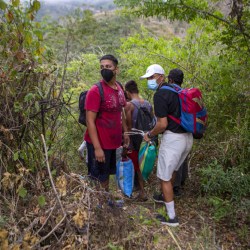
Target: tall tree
pixel 232 17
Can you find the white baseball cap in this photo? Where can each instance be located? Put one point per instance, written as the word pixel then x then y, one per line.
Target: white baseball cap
pixel 153 69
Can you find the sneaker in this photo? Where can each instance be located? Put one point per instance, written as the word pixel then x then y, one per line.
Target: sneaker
pixel 141 198
pixel 158 198
pixel 136 188
pixel 115 203
pixel 170 222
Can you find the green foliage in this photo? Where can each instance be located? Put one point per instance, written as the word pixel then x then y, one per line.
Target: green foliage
pixel 45 65
pixel 233 183
pixel 21 55
pixel 222 208
pixel 84 71
pixel 33 99
pixel 113 247
pixel 206 64
pixel 3 5
pixel 82 32
pixel 221 72
pixel 55 11
pixel 243 232
pixel 233 211
pixel 22 192
pixel 206 238
pixel 41 201
pixel 235 27
pixel 3 221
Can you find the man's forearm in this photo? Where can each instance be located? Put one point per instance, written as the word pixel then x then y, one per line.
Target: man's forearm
pixel 124 123
pixel 156 130
pixel 159 128
pixel 93 135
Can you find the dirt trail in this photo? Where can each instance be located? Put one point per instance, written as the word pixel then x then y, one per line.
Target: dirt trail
pixel 197 229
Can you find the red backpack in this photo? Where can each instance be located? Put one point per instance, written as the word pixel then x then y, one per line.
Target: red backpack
pixel 193 112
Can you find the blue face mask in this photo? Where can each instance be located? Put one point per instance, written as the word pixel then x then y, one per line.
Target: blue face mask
pixel 152 84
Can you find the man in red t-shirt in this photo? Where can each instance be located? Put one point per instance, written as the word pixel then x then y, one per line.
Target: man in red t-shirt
pixel 105 121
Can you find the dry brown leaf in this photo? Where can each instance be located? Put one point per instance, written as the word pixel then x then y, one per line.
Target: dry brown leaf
pixel 3 234
pixel 16 247
pixel 29 240
pixel 59 218
pixel 11 137
pixel 61 184
pixel 4 245
pixel 36 209
pixel 80 218
pixel 67 247
pixel 42 219
pixel 18 178
pixel 77 195
pixel 22 170
pixel 20 55
pixel 85 240
pixel 25 246
pixel 6 181
pixel 27 236
pixel 33 240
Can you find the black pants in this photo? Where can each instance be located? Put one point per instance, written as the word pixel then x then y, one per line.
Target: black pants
pixel 181 174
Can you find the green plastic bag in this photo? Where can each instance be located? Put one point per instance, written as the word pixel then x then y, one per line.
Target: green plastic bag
pixel 147 155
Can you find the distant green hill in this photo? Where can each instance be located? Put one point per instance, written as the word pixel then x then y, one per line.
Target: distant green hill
pixel 56 8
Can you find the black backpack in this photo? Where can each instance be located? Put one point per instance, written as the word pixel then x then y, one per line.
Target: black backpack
pixel 82 98
pixel 145 121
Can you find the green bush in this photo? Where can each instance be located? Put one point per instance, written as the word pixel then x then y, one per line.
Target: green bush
pixel 233 183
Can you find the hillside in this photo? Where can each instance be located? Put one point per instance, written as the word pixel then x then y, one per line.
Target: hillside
pixel 56 9
pixel 47 200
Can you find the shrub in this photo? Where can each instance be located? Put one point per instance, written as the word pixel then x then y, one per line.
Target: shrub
pixel 232 182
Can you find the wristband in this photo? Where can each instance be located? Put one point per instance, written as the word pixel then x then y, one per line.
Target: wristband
pixel 149 135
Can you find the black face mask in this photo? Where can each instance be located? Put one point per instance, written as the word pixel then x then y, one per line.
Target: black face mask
pixel 107 74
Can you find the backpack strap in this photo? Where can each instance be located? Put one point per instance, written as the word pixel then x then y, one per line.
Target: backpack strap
pixel 120 85
pixel 99 85
pixel 170 88
pixel 175 119
pixel 135 112
pixel 135 103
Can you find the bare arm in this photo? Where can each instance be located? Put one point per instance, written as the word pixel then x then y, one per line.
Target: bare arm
pixel 125 129
pixel 160 127
pixel 90 118
pixel 129 108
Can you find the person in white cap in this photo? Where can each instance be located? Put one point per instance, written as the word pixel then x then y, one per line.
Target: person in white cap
pixel 176 143
pixel 155 75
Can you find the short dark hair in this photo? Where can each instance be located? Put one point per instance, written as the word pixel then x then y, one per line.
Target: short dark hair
pixel 111 58
pixel 131 87
pixel 176 75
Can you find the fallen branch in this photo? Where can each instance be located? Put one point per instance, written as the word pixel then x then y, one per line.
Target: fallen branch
pixel 57 197
pixel 52 209
pixel 51 232
pixel 50 176
pixel 171 234
pixel 88 221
